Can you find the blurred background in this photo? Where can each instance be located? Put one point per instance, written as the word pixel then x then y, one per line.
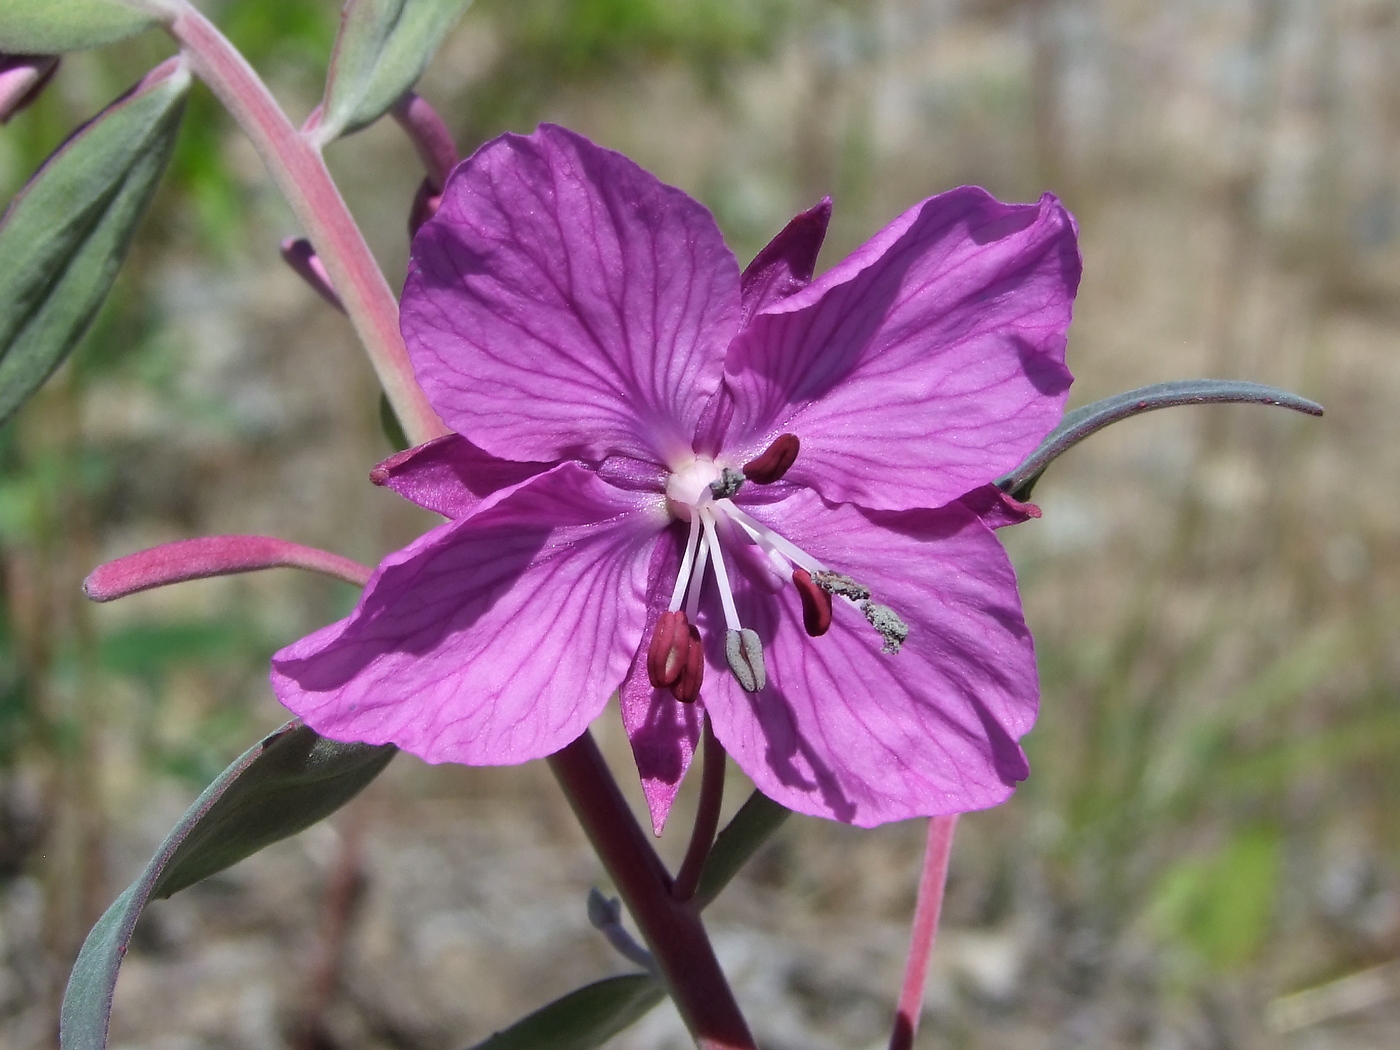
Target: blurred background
pixel 1207 854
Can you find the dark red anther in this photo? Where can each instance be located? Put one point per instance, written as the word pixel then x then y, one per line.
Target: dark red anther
pixel 775 460
pixel 816 603
pixel 666 655
pixel 687 688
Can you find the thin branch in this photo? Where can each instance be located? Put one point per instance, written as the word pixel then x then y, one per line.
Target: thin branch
pixel 921 938
pixel 301 174
pixel 672 929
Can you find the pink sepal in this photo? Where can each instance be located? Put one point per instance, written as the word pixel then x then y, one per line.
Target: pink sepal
pixel 996 508
pixel 213 556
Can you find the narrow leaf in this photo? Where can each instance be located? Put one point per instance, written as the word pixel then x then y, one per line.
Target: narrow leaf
pixel 64 237
pixel 51 27
pixel 288 782
pixel 583 1019
pixel 735 846
pixel 381 51
pixel 1082 422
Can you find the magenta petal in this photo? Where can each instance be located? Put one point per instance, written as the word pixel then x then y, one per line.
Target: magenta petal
pixel 492 639
pixel 786 263
pixel 450 475
pixel 845 731
pixel 564 303
pixel 926 364
pixel 663 731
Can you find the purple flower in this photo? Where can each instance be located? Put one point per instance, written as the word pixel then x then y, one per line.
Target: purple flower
pixel 672 478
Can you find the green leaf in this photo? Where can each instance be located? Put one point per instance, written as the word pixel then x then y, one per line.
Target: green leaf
pixel 751 827
pixel 584 1018
pixel 51 27
pixel 381 51
pixel 1082 422
pixel 288 782
pixel 64 237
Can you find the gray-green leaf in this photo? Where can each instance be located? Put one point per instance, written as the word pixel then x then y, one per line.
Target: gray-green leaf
pixel 288 782
pixel 51 27
pixel 1082 422
pixel 381 51
pixel 583 1019
pixel 64 236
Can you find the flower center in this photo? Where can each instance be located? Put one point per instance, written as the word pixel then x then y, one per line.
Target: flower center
pixel 689 486
pixel 699 492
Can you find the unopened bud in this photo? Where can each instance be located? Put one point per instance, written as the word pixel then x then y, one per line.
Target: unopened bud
pixel 744 652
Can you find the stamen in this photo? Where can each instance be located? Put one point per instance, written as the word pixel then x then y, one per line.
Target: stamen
pixel 692 600
pixel 841 585
pixel 727 484
pixel 774 461
pixel 885 620
pixel 763 533
pixel 688 559
pixel 744 652
pixel 670 643
pixel 816 603
pixel 726 596
pixel 687 687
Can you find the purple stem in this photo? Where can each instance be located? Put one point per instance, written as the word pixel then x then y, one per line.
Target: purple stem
pixel 300 173
pixel 672 928
pixel 207 556
pixel 302 258
pixel 702 836
pixel 921 938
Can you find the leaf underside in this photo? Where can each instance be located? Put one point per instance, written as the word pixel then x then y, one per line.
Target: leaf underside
pixel 51 27
pixel 380 52
pixel 1082 422
pixel 289 781
pixel 63 238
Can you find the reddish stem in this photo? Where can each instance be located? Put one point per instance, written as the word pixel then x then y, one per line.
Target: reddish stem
pixel 926 911
pixel 672 928
pixel 702 837
pixel 300 173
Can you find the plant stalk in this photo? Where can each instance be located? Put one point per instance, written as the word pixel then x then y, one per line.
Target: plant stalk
pixel 672 928
pixel 301 174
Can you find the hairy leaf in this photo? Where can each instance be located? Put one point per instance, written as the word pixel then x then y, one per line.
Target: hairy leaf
pixel 1082 422
pixel 584 1018
pixel 64 236
pixel 381 51
pixel 51 27
pixel 289 781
